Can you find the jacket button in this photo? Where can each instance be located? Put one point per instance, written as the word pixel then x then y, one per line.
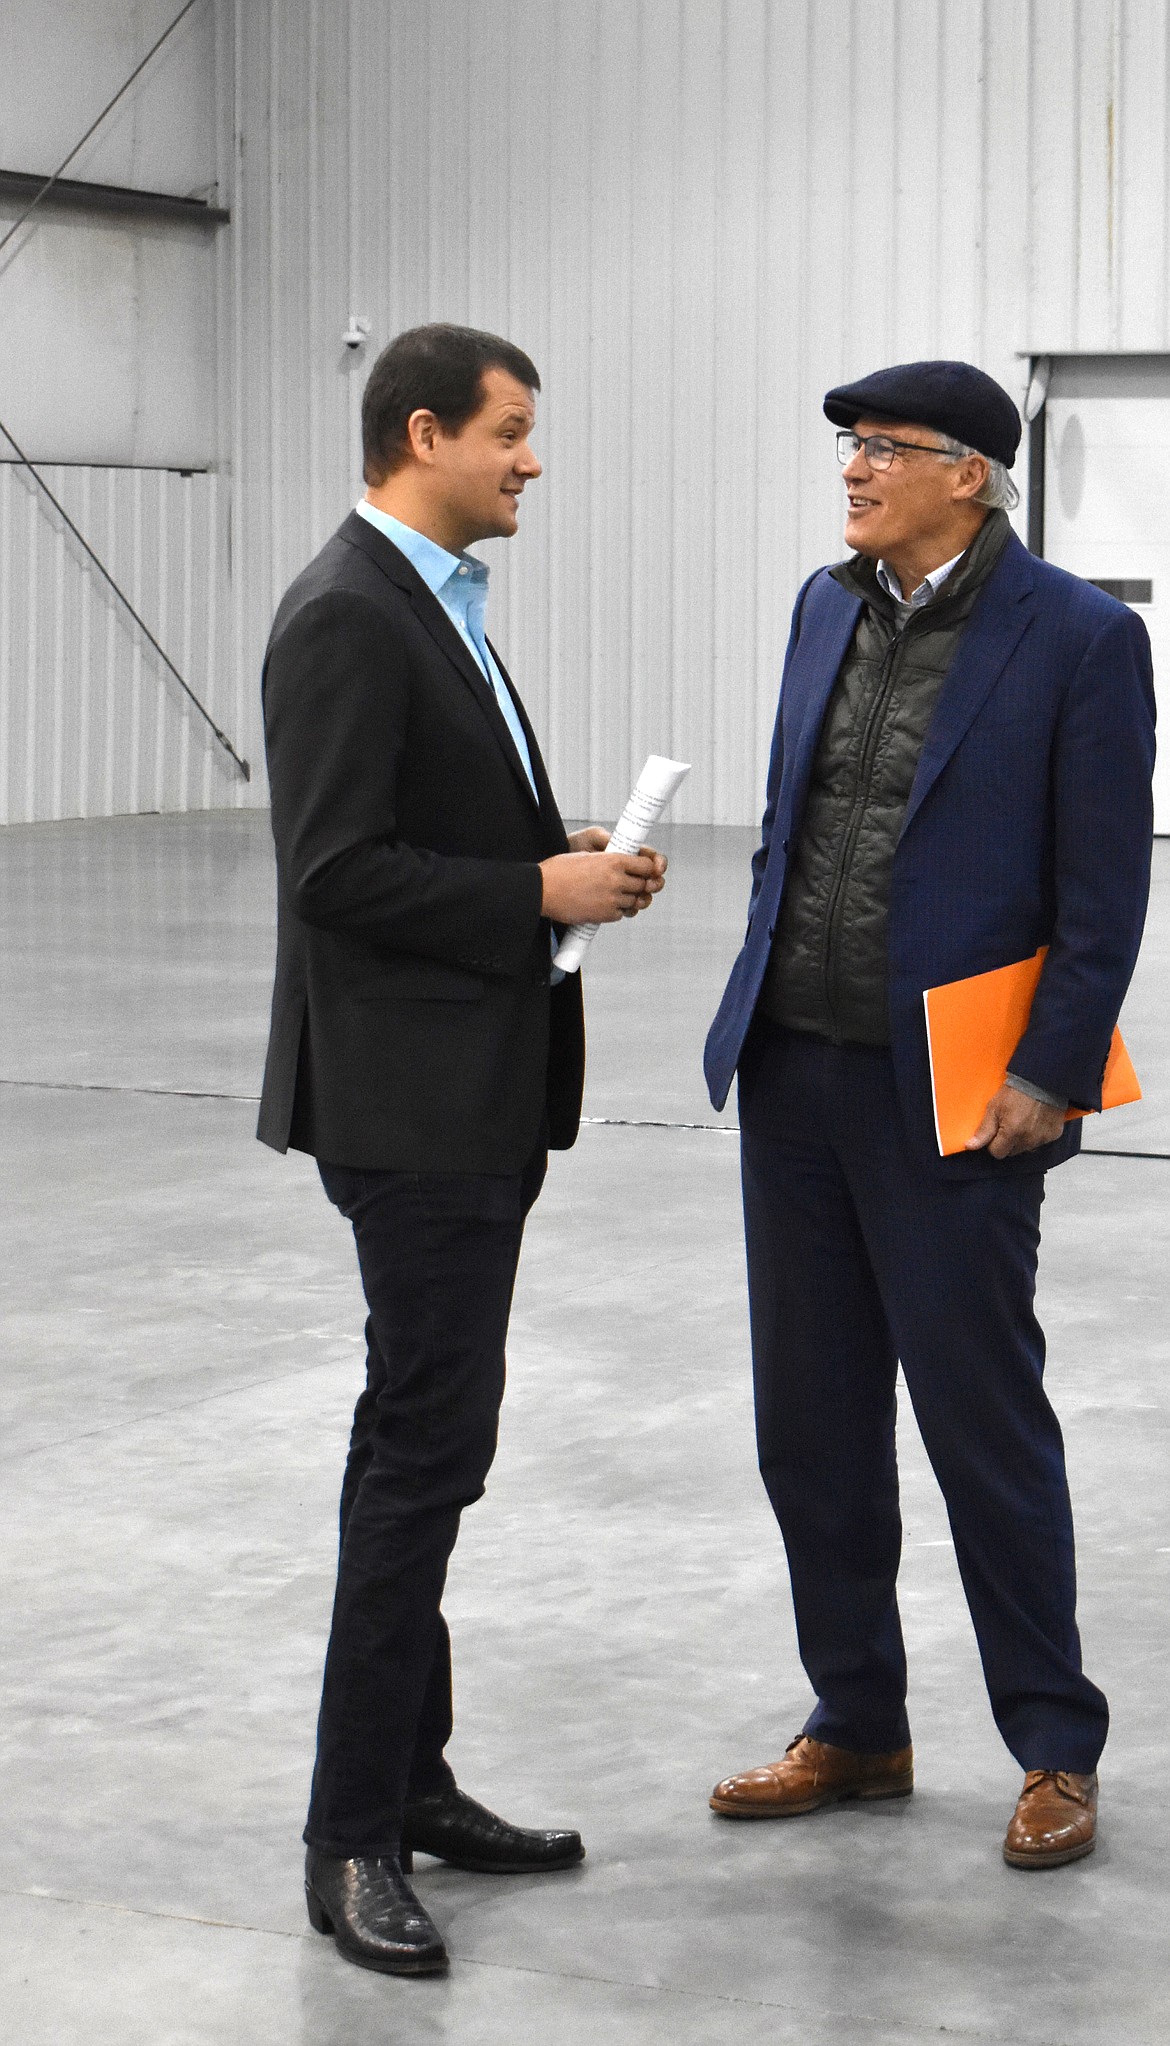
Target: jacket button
pixel 784 845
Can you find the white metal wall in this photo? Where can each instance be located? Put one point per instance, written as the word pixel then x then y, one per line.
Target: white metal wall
pixel 62 63
pixel 107 322
pixel 695 215
pixel 91 723
pixel 111 341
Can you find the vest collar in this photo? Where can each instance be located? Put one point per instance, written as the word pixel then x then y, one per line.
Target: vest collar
pixel 858 575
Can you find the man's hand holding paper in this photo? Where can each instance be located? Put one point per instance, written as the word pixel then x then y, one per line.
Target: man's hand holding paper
pixel 658 782
pixel 579 888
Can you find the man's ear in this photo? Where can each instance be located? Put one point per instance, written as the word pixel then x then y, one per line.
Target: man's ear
pixel 972 473
pixel 422 430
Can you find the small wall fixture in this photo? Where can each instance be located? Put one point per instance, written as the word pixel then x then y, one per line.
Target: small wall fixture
pixel 357 333
pixel 1037 390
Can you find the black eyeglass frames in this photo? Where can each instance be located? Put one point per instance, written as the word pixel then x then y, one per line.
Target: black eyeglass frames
pixel 879 449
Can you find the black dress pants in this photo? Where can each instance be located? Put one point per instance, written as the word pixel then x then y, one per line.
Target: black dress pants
pixel 438 1255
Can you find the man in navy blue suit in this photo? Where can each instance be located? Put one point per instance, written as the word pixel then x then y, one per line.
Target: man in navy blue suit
pixel 960 774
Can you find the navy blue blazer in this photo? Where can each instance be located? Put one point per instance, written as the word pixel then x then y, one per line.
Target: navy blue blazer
pixel 1029 823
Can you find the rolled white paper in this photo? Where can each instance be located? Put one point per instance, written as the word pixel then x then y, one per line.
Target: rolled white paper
pixel 657 783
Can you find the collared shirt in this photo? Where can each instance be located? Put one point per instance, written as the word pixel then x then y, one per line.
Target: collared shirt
pixel 929 587
pixel 460 583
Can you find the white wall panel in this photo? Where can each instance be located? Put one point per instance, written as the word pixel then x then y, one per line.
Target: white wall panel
pixel 91 722
pixel 62 62
pixel 108 322
pixel 696 215
pixel 1142 165
pixel 108 341
pixel 113 356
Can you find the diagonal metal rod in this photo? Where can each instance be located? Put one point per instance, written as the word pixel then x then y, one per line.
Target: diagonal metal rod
pixel 107 109
pixel 241 764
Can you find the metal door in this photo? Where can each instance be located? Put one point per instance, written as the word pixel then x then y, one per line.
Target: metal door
pixel 1106 505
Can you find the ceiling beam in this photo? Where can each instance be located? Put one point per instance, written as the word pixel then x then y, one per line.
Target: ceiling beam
pixel 79 196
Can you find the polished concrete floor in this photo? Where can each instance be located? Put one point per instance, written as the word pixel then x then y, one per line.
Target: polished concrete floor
pixel 180 1331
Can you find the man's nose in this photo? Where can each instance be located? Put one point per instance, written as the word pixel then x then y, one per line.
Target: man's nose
pixel 856 469
pixel 526 463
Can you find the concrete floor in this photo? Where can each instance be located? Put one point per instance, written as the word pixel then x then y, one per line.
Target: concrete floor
pixel 181 1321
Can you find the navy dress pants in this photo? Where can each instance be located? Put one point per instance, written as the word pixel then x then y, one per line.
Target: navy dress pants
pixel 438 1255
pixel 859 1257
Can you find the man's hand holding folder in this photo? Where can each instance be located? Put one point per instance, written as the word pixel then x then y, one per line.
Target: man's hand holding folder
pixel 973 1027
pixel 1013 1121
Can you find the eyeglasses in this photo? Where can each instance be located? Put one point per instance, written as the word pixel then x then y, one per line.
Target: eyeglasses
pixel 879 450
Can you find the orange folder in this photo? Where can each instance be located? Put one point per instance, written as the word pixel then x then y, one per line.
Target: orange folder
pixel 973 1027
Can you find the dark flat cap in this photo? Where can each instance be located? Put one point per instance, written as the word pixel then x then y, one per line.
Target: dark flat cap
pixel 953 397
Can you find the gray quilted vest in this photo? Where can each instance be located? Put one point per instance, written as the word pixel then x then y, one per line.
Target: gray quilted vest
pixel 828 968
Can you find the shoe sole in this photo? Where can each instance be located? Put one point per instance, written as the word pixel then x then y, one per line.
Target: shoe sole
pixel 501 1867
pixel 726 1810
pixel 427 1964
pixel 1058 1859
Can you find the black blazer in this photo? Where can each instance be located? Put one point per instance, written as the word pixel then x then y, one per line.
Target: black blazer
pixel 413 1025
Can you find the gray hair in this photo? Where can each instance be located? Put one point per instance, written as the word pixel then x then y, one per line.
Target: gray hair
pixel 999 493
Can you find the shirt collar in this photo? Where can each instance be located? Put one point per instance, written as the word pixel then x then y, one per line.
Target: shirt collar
pixel 929 587
pixel 432 562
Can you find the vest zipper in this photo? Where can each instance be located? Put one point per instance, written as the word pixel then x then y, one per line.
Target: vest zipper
pixel 861 789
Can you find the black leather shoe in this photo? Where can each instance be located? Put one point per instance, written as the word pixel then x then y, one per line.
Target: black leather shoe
pixel 453 1827
pixel 373 1914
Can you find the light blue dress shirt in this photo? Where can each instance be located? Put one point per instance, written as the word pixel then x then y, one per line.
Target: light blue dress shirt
pixel 460 583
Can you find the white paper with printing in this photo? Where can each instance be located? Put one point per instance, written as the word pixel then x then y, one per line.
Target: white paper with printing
pixel 648 798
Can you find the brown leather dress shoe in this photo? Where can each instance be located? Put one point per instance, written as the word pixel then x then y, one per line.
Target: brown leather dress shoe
pixel 811 1774
pixel 1055 1820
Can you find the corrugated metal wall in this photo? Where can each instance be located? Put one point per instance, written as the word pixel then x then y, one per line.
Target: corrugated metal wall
pixel 112 347
pixel 91 723
pixel 696 215
pixel 107 321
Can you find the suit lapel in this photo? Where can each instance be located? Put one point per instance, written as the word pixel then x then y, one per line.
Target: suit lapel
pixel 430 613
pixel 827 624
pixel 996 626
pixel 545 800
pixel 817 658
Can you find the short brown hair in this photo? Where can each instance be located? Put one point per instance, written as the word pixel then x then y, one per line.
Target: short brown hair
pixel 435 369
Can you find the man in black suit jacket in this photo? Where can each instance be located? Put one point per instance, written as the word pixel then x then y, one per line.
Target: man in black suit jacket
pixel 421 1052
